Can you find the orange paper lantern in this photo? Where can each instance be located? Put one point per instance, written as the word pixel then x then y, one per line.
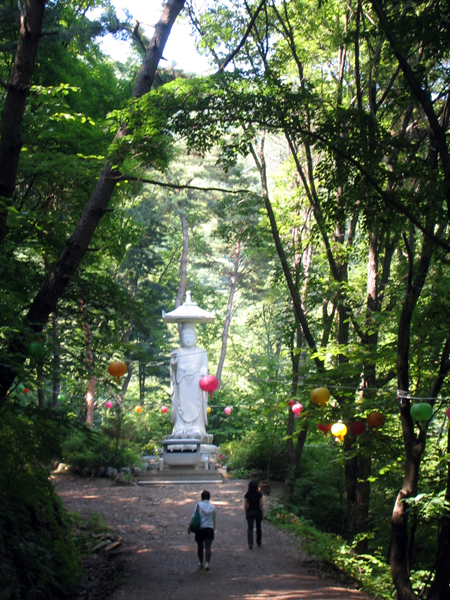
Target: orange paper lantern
pixel 117 369
pixel 375 420
pixel 138 409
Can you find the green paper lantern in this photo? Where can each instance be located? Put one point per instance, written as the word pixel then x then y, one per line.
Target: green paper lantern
pixel 421 412
pixel 61 397
pixel 36 350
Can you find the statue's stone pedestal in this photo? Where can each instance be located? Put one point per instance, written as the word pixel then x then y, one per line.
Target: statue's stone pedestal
pixel 187 453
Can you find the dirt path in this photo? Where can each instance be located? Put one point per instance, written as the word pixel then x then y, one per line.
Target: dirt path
pixel 161 561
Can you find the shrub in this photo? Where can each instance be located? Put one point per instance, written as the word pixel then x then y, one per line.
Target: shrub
pixel 92 449
pixel 37 555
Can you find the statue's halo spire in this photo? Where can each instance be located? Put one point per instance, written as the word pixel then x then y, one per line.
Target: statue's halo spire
pixel 188 313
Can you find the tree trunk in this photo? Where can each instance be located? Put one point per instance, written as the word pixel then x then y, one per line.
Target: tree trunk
pixel 61 273
pixel 90 393
pixel 16 97
pixel 233 279
pixel 56 390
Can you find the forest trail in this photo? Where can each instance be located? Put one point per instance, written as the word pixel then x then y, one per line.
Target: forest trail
pixel 161 561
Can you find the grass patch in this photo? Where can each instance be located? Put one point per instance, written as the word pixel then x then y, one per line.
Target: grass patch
pixel 368 572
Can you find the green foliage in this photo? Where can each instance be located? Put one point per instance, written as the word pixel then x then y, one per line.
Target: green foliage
pixel 88 449
pixel 37 553
pixel 369 572
pixel 252 453
pixel 319 489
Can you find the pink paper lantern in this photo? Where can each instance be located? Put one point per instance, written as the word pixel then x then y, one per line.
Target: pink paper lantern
pixel 297 409
pixel 227 410
pixel 209 383
pixel 164 409
pixel 109 404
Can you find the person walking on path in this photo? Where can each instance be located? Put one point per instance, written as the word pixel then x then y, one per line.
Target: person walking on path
pixel 205 535
pixel 254 513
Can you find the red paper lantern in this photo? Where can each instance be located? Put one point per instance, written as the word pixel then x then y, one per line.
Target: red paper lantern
pixel 209 383
pixel 117 369
pixel 109 404
pixel 292 402
pixel 26 390
pixel 357 428
pixel 164 409
pixel 326 427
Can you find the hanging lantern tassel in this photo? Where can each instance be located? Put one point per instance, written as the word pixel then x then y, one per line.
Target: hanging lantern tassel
pixel 116 369
pixel 209 383
pixel 339 431
pixel 320 396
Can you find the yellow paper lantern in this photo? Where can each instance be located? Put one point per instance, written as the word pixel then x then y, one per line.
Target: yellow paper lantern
pixel 339 431
pixel 138 409
pixel 320 396
pixel 208 410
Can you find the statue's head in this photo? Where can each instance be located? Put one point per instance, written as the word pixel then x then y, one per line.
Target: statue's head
pixel 188 335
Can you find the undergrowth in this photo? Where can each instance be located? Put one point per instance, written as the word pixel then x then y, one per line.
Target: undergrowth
pixel 369 572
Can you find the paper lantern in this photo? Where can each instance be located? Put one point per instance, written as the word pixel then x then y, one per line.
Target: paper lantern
pixel 357 428
pixel 227 410
pixel 421 412
pixel 26 390
pixel 297 409
pixel 339 431
pixel 320 396
pixel 375 419
pixel 61 397
pixel 164 409
pixel 36 350
pixel 292 401
pixel 117 369
pixel 208 410
pixel 138 409
pixel 324 427
pixel 209 383
pixel 108 404
pixel 448 412
pixel 20 387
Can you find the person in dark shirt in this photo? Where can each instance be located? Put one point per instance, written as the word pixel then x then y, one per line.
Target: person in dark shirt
pixel 254 513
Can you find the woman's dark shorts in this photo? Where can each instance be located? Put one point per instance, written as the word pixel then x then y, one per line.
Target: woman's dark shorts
pixel 204 534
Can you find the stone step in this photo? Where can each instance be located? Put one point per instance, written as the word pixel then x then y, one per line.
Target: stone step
pixel 180 476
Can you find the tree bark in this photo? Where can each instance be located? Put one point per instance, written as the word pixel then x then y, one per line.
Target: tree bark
pixel 61 273
pixel 16 97
pixel 233 278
